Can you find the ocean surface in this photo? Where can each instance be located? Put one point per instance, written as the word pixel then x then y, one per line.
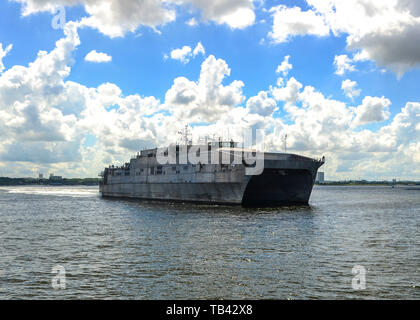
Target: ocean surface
pixel 119 249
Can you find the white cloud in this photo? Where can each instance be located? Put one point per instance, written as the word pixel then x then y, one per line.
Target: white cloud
pixel 3 53
pixel 116 18
pixel 182 54
pixel 97 57
pixel 31 120
pixel 372 109
pixel 284 67
pixel 320 123
pixel 207 99
pixel 237 14
pixel 112 18
pixel 361 56
pixel 185 53
pixel 406 124
pixel 289 93
pixel 261 104
pixel 384 31
pixel 349 88
pixel 192 22
pixel 290 22
pixel 343 64
pixel 45 118
pixel 238 19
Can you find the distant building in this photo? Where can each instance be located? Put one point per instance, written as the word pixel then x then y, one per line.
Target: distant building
pixel 320 178
pixel 52 177
pixel 41 176
pixel 55 180
pixel 394 182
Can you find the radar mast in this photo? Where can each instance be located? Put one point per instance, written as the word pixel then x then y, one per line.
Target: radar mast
pixel 186 135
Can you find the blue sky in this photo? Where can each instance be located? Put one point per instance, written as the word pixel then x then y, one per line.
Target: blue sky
pixel 369 124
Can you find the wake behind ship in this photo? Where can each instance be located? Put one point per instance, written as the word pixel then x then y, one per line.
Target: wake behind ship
pixel 286 179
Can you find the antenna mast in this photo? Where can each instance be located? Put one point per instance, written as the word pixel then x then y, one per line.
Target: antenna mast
pixel 285 143
pixel 185 133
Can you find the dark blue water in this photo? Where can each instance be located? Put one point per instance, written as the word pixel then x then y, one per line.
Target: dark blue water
pixel 114 249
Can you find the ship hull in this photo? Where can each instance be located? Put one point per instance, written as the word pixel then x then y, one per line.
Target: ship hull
pixel 291 188
pixel 206 193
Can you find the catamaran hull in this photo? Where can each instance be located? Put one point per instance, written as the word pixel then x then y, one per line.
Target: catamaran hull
pixel 284 181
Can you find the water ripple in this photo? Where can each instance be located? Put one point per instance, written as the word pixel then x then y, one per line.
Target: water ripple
pixel 113 249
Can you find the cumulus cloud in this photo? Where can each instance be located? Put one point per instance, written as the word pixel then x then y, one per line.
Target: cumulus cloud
pixel 207 99
pixel 115 18
pixel 97 57
pixel 238 19
pixel 349 88
pixel 284 67
pixel 288 93
pixel 192 22
pixel 112 18
pixel 372 109
pixel 343 64
pixel 385 31
pixel 237 14
pixel 290 22
pixel 45 118
pixel 29 115
pixel 3 53
pixel 185 53
pixel 261 104
pixel 182 54
pixel 317 123
pixel 406 125
pixel 320 123
pixel 361 56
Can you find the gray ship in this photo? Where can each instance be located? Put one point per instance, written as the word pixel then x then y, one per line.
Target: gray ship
pixel 285 179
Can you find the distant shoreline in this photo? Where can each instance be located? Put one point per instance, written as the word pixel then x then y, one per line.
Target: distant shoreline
pixel 373 184
pixel 5 181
